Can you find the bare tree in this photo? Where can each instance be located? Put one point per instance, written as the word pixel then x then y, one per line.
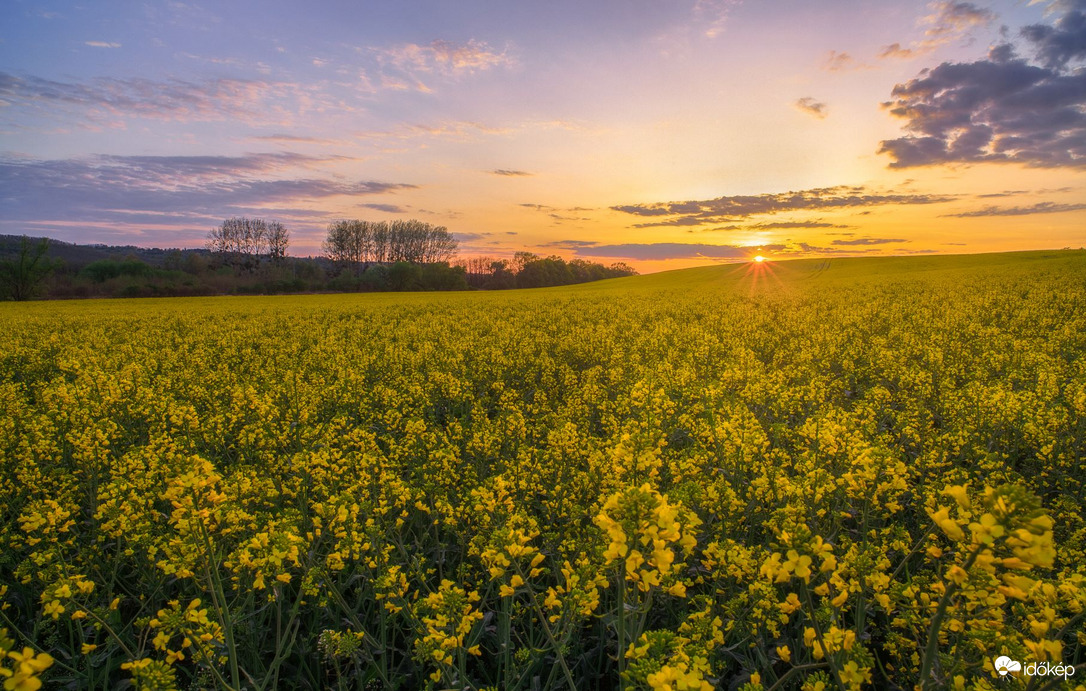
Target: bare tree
pixel 278 239
pixel 243 241
pixel 357 243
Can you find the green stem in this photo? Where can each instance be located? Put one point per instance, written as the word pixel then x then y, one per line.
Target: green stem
pixel 620 627
pixel 550 636
pixel 818 635
pixel 931 652
pixel 795 670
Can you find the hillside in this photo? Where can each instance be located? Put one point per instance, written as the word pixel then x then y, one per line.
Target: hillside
pixel 702 470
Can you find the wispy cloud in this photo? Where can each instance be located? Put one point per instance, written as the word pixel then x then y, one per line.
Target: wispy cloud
pixel 807 248
pixel 896 51
pixel 869 241
pixel 410 65
pixel 712 16
pixel 672 250
pixel 947 22
pixel 811 106
pixel 842 62
pixel 181 192
pixel 387 208
pixel 952 19
pixel 730 208
pixel 797 224
pixel 458 129
pixel 104 99
pixel 1038 208
pixel 296 139
pixel 571 244
pixel 777 225
pixel 511 173
pixel 102 44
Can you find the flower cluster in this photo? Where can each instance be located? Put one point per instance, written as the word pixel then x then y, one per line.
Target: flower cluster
pixel 647 533
pixel 447 617
pixel 850 478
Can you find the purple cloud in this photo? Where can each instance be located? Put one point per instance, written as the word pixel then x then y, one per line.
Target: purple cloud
pixel 1038 208
pixel 1001 109
pixel 730 208
pixel 182 192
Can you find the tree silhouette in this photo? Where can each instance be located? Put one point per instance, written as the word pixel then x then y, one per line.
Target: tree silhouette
pixel 21 277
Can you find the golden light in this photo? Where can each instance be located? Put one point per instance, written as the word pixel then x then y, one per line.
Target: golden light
pixel 759 259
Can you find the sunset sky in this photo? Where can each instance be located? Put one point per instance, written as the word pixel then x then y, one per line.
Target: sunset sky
pixel 663 133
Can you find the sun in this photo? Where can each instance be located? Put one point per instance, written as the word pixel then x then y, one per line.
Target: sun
pixel 759 259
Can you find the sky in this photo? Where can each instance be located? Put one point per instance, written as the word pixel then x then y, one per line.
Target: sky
pixel 661 133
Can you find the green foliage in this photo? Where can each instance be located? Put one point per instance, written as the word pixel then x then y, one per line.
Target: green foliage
pixel 102 271
pixel 21 276
pixel 862 474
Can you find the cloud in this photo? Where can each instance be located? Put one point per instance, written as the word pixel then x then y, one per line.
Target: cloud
pixel 682 221
pixel 712 16
pixel 811 107
pixel 126 193
pixel 869 241
pixel 101 44
pixel 779 225
pixel 442 58
pixel 106 99
pixel 510 173
pixel 571 244
pixel 460 129
pixel 952 19
pixel 730 208
pixel 672 250
pixel 841 62
pixel 1038 208
pixel 947 22
pixel 797 224
pixel 387 208
pixel 814 249
pixel 294 139
pixel 1058 44
pixel 894 50
pixel 1002 108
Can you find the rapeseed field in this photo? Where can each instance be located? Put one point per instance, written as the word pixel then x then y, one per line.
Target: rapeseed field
pixel 864 473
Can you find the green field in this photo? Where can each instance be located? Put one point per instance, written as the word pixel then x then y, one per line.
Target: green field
pixel 812 474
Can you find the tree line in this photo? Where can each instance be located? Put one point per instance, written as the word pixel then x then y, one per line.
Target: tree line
pixel 528 270
pixel 242 242
pixel 356 244
pixel 249 256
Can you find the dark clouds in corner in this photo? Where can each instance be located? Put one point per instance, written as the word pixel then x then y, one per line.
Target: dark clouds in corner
pixel 1003 108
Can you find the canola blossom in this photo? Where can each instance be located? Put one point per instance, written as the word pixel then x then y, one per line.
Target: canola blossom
pixel 792 475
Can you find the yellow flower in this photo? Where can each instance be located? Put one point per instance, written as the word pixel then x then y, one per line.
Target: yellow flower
pixel 947 524
pixel 54 609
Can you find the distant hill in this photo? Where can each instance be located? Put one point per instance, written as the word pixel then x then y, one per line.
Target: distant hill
pixel 78 255
pixel 825 271
pixel 82 271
